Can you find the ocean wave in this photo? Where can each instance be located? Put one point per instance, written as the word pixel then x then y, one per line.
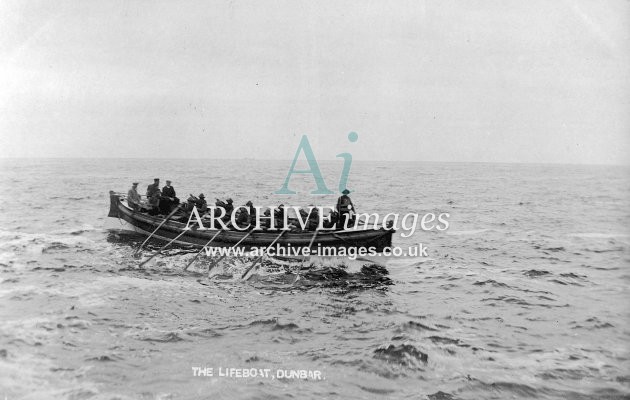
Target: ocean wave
pixel 166 337
pixel 273 325
pixel 534 273
pixel 479 319
pixel 404 354
pixel 414 326
pixel 599 235
pixel 491 282
pixel 468 232
pixel 447 341
pixel 41 243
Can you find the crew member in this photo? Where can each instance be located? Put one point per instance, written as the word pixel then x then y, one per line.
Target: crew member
pixel 279 216
pixel 331 220
pixel 202 205
pixel 345 209
pixel 251 212
pixel 243 218
pixel 153 196
pixel 168 199
pixel 133 198
pixel 313 220
pixel 227 206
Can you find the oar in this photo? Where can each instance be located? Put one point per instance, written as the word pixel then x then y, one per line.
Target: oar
pixel 262 255
pixel 312 239
pixel 226 253
pixel 204 246
pixel 156 229
pixel 310 244
pixel 161 248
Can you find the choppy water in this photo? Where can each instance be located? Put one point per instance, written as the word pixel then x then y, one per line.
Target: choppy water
pixel 526 295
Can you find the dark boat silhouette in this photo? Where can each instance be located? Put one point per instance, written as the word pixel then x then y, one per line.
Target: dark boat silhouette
pixel 145 224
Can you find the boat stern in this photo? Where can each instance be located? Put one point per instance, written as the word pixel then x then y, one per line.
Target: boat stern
pixel 114 199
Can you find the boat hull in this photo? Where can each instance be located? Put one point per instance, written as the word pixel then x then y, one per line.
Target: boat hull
pixel 375 239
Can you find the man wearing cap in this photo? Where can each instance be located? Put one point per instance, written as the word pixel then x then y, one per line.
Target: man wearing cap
pixel 227 206
pixel 201 204
pixel 133 198
pixel 168 199
pixel 278 216
pixel 153 195
pixel 345 209
pixel 251 213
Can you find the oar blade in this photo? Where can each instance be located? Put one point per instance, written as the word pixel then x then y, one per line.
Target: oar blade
pixel 156 229
pixel 199 252
pixel 260 258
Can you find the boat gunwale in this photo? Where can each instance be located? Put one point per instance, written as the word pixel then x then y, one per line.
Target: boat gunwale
pixel 342 238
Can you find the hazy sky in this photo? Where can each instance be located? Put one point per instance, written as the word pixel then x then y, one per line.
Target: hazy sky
pixel 506 81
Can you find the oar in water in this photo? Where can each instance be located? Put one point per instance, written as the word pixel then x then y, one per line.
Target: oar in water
pixel 204 246
pixel 156 229
pixel 310 244
pixel 226 253
pixel 260 258
pixel 161 248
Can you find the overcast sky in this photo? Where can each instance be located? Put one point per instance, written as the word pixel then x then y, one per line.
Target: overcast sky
pixel 504 81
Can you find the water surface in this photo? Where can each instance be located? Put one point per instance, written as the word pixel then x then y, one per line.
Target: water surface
pixel 525 296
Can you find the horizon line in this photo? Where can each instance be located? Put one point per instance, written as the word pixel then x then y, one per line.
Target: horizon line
pixel 323 159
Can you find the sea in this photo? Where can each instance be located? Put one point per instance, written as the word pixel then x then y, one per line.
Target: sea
pixel 525 296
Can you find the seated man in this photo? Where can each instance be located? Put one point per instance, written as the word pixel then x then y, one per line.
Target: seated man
pixel 279 216
pixel 313 220
pixel 202 205
pixel 153 197
pixel 168 199
pixel 265 220
pixel 334 218
pixel 251 211
pixel 227 206
pixel 133 198
pixel 189 204
pixel 242 218
pixel 303 216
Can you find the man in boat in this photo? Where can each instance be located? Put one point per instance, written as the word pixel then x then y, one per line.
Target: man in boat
pixel 313 219
pixel 189 204
pixel 265 220
pixel 279 216
pixel 168 199
pixel 133 198
pixel 332 220
pixel 303 216
pixel 251 211
pixel 242 218
pixel 227 206
pixel 345 209
pixel 219 204
pixel 202 205
pixel 153 196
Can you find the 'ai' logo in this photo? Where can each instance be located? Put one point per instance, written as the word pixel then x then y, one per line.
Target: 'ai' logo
pixel 305 147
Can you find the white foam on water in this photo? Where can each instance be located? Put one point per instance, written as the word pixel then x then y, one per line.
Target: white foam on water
pixel 29 376
pixel 599 235
pixel 468 232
